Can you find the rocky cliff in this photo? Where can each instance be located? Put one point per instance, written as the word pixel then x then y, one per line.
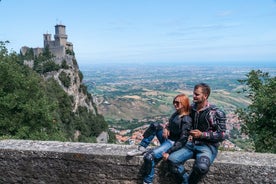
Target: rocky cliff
pixel 58 57
pixel 76 89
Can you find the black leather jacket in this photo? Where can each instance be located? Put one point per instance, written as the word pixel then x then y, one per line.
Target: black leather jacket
pixel 211 121
pixel 179 127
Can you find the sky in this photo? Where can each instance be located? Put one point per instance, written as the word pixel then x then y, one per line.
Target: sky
pixel 110 31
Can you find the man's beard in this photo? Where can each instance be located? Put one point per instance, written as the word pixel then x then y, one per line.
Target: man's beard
pixel 198 101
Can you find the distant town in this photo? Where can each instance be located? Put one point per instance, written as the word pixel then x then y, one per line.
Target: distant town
pixel 134 137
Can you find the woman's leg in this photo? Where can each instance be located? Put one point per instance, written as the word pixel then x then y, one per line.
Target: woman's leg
pixel 152 157
pixel 155 129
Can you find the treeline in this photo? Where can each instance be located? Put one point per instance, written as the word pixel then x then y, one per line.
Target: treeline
pixel 259 118
pixel 32 108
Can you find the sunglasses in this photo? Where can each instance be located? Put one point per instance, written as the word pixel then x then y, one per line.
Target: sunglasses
pixel 176 102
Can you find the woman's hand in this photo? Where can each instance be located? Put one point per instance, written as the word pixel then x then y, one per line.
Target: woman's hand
pixel 166 133
pixel 190 138
pixel 165 156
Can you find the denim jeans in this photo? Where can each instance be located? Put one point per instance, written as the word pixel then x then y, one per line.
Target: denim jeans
pixel 179 157
pixel 156 153
pixel 147 140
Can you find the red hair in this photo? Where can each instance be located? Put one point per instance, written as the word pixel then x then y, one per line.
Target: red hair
pixel 185 102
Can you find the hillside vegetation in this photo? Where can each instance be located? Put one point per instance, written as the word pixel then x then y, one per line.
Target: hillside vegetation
pixel 34 105
pixel 259 119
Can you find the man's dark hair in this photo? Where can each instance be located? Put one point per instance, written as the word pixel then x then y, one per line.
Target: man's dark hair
pixel 205 88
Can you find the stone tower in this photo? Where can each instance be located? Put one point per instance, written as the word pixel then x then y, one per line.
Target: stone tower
pixel 57 47
pixel 60 36
pixel 47 39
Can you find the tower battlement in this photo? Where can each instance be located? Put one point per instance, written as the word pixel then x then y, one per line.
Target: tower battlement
pixel 57 47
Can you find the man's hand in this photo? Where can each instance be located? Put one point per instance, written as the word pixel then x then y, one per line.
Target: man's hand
pixel 196 133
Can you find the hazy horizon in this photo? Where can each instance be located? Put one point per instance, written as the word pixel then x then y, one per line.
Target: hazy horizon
pixel 241 67
pixel 147 31
pixel 211 63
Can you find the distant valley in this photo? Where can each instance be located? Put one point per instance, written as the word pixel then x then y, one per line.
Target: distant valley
pixel 139 91
pixel 131 96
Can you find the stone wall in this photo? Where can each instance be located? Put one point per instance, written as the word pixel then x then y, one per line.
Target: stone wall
pixel 39 162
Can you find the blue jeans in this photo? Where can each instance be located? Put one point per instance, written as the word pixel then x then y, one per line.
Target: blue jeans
pixel 152 157
pixel 204 156
pixel 147 140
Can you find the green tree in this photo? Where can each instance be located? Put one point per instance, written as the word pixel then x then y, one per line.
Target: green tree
pixel 65 79
pixel 3 50
pixel 44 62
pixel 259 117
pixel 64 65
pixel 25 109
pixel 34 108
pixel 49 66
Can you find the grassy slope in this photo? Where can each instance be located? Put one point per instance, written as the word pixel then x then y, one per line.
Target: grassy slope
pixel 153 103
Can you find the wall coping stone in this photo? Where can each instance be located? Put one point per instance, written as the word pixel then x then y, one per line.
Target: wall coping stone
pixel 114 154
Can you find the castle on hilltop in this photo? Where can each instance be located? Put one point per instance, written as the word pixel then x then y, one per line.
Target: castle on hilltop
pixel 57 47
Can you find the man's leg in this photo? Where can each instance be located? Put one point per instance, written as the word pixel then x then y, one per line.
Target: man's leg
pixel 205 156
pixel 177 160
